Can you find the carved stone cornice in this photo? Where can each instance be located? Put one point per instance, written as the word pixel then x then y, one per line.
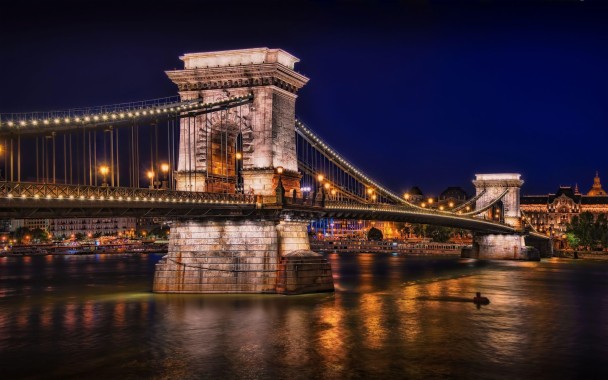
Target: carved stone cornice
pixel 498 183
pixel 266 74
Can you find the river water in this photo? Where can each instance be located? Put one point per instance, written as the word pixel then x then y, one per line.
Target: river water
pixel 391 317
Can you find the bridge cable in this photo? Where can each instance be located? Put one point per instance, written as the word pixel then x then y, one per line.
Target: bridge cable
pixel 488 206
pixel 54 158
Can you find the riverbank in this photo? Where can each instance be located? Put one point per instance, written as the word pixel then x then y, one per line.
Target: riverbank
pixel 44 250
pixel 590 255
pixel 385 246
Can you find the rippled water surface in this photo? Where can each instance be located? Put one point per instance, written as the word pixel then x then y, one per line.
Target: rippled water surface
pixel 391 317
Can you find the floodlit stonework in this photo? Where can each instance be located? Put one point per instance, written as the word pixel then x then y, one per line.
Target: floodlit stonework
pixel 207 141
pixel 245 256
pixel 241 255
pixel 490 187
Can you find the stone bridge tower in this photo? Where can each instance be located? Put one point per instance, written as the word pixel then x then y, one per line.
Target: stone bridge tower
pixel 266 127
pixel 493 186
pixel 267 251
pixel 499 246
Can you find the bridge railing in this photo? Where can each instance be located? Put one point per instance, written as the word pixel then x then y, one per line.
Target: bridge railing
pixel 27 190
pixel 396 208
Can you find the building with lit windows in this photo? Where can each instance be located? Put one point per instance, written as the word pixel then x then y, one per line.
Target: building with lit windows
pixel 72 226
pixel 552 213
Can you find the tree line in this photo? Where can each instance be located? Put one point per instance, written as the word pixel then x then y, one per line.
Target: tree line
pixel 588 233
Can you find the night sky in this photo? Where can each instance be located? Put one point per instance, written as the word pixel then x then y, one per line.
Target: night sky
pixel 422 93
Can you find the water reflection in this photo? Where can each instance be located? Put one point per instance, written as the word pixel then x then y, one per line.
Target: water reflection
pixel 392 317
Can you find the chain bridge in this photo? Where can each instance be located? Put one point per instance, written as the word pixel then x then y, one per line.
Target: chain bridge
pixel 233 170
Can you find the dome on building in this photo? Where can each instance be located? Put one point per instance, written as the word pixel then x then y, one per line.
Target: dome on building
pixel 453 192
pixel 596 189
pixel 415 191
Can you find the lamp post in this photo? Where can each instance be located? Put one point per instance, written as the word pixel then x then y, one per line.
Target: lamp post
pixel 150 175
pixel 239 178
pixel 104 170
pixel 371 194
pixel 318 187
pixel 280 190
pixel 165 169
pixel 1 152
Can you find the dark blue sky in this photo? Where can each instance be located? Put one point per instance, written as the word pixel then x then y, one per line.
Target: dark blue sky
pixel 426 94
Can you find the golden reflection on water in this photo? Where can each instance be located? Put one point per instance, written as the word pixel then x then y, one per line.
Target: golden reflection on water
pixel 88 317
pixel 332 337
pixel 366 276
pixel 372 313
pixel 119 312
pixel 69 316
pixel 391 317
pixel 408 306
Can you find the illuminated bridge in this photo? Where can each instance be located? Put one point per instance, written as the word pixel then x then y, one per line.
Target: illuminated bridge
pixel 232 169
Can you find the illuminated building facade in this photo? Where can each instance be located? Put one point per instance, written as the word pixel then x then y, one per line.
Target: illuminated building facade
pixel 552 213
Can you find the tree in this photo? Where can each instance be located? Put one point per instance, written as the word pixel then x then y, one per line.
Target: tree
pixel 583 227
pixel 439 234
pixel 374 234
pixel 601 231
pixel 573 241
pixel 40 235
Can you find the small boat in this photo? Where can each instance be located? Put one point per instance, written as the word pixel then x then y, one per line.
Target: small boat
pixel 479 300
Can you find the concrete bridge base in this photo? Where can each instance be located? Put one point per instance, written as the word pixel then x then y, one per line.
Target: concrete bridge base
pixel 500 247
pixel 241 257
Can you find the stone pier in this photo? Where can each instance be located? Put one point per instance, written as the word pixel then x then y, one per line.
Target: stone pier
pixel 242 256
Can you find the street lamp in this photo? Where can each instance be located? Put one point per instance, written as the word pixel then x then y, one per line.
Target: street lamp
pixel 240 188
pixel 280 190
pixel 104 170
pixel 150 175
pixel 164 167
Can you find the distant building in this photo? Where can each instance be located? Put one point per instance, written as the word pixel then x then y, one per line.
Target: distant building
pixel 72 226
pixel 450 197
pixel 552 213
pixel 415 194
pixel 453 194
pixel 32 224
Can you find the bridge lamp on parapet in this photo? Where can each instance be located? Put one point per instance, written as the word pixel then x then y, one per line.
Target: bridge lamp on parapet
pixel 2 152
pixel 371 194
pixel 150 175
pixel 164 167
pixel 104 170
pixel 238 165
pixel 320 179
pixel 280 181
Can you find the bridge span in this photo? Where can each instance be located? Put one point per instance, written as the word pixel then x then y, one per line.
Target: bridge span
pixel 233 170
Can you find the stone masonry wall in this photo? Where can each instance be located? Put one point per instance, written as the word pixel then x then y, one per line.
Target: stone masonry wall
pixel 283 133
pixel 241 257
pixel 292 236
pixel 219 257
pixel 498 247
